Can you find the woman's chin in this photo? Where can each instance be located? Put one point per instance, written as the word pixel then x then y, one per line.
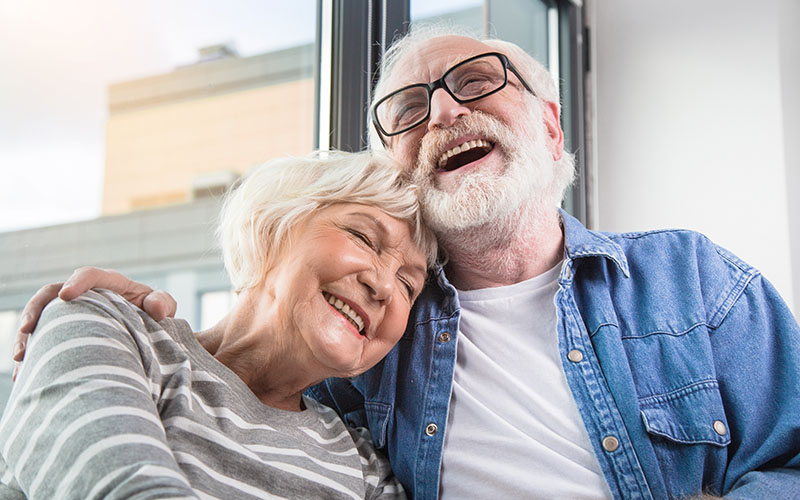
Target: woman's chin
pixel 340 360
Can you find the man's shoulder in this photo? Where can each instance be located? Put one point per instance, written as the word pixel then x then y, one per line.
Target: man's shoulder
pixel 678 247
pixel 654 251
pixel 678 269
pixel 660 236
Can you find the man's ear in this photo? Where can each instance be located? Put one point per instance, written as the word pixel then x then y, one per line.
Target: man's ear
pixel 555 136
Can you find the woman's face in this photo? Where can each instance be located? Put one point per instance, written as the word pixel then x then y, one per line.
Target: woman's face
pixel 345 286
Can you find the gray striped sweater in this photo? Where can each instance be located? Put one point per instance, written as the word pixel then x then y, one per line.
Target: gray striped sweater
pixel 111 404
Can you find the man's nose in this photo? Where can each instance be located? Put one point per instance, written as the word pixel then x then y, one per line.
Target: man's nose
pixel 445 111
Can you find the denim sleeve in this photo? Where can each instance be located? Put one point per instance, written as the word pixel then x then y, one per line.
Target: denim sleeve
pixel 757 356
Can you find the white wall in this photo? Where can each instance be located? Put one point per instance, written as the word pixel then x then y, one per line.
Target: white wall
pixel 789 15
pixel 690 128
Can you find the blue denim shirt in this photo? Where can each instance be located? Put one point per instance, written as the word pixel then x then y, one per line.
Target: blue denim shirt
pixel 688 380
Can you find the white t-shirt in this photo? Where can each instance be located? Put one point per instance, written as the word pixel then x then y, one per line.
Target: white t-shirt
pixel 513 429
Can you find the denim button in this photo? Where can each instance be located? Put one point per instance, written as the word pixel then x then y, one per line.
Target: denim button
pixel 431 429
pixel 444 337
pixel 610 443
pixel 719 427
pixel 575 356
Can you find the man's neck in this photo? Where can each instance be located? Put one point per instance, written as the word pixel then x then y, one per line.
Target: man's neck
pixel 501 253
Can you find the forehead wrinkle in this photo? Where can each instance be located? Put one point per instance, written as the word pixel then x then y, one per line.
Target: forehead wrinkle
pixel 421 71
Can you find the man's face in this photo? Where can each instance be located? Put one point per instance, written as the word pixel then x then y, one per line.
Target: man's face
pixel 429 64
pixel 476 161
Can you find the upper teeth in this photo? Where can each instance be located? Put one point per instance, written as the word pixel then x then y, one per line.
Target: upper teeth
pixel 478 143
pixel 348 312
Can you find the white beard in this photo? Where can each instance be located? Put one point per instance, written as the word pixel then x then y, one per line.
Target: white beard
pixel 488 199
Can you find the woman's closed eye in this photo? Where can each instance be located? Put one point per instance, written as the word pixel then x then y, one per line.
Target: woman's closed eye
pixel 363 237
pixel 406 282
pixel 408 286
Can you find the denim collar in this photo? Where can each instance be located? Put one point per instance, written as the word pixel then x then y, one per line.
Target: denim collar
pixel 580 242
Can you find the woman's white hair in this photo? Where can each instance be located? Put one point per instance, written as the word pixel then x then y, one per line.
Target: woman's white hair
pixel 420 35
pixel 258 216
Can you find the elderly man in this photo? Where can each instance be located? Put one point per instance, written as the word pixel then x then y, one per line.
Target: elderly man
pixel 545 360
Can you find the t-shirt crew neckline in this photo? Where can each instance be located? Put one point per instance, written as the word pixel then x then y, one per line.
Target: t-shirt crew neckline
pixel 504 292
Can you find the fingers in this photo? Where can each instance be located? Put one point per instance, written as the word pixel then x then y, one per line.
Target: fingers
pixel 159 304
pixel 85 278
pixel 33 309
pixel 30 317
pixel 19 346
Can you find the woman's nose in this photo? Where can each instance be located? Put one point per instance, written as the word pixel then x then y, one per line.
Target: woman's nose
pixel 445 111
pixel 379 283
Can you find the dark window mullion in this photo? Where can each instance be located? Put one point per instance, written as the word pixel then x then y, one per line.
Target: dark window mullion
pixel 359 32
pixel 573 67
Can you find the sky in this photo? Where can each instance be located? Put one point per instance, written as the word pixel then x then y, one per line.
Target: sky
pixel 58 57
pixel 56 61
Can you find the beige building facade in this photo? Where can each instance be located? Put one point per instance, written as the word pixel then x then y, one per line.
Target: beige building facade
pixel 172 137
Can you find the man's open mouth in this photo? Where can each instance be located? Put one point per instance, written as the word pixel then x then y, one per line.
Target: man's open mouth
pixel 346 311
pixel 464 154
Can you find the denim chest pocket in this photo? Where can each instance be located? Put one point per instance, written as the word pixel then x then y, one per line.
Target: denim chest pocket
pixel 693 414
pixel 378 421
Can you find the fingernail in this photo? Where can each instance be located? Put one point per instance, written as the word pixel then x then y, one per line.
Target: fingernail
pixel 26 318
pixel 19 346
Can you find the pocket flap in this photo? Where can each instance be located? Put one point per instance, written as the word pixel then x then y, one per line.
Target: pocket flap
pixel 378 419
pixel 692 415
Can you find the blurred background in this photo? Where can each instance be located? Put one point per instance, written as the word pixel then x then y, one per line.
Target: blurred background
pixel 121 123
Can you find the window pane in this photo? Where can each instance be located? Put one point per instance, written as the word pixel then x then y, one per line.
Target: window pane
pixel 122 122
pixel 107 107
pixel 467 13
pixel 523 22
pixel 9 321
pixel 214 306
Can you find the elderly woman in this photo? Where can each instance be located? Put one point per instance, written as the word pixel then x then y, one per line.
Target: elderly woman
pixel 327 255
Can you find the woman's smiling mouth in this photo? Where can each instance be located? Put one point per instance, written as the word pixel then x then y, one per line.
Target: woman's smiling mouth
pixel 349 314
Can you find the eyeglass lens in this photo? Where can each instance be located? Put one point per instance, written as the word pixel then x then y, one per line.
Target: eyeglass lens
pixel 466 81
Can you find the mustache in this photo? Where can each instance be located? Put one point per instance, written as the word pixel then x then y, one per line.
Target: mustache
pixel 478 123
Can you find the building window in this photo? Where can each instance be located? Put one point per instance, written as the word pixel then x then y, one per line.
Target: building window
pixel 214 306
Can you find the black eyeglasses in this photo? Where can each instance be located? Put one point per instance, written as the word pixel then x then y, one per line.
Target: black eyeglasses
pixel 470 80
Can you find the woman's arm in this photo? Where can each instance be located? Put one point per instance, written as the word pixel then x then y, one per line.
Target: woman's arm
pixel 81 421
